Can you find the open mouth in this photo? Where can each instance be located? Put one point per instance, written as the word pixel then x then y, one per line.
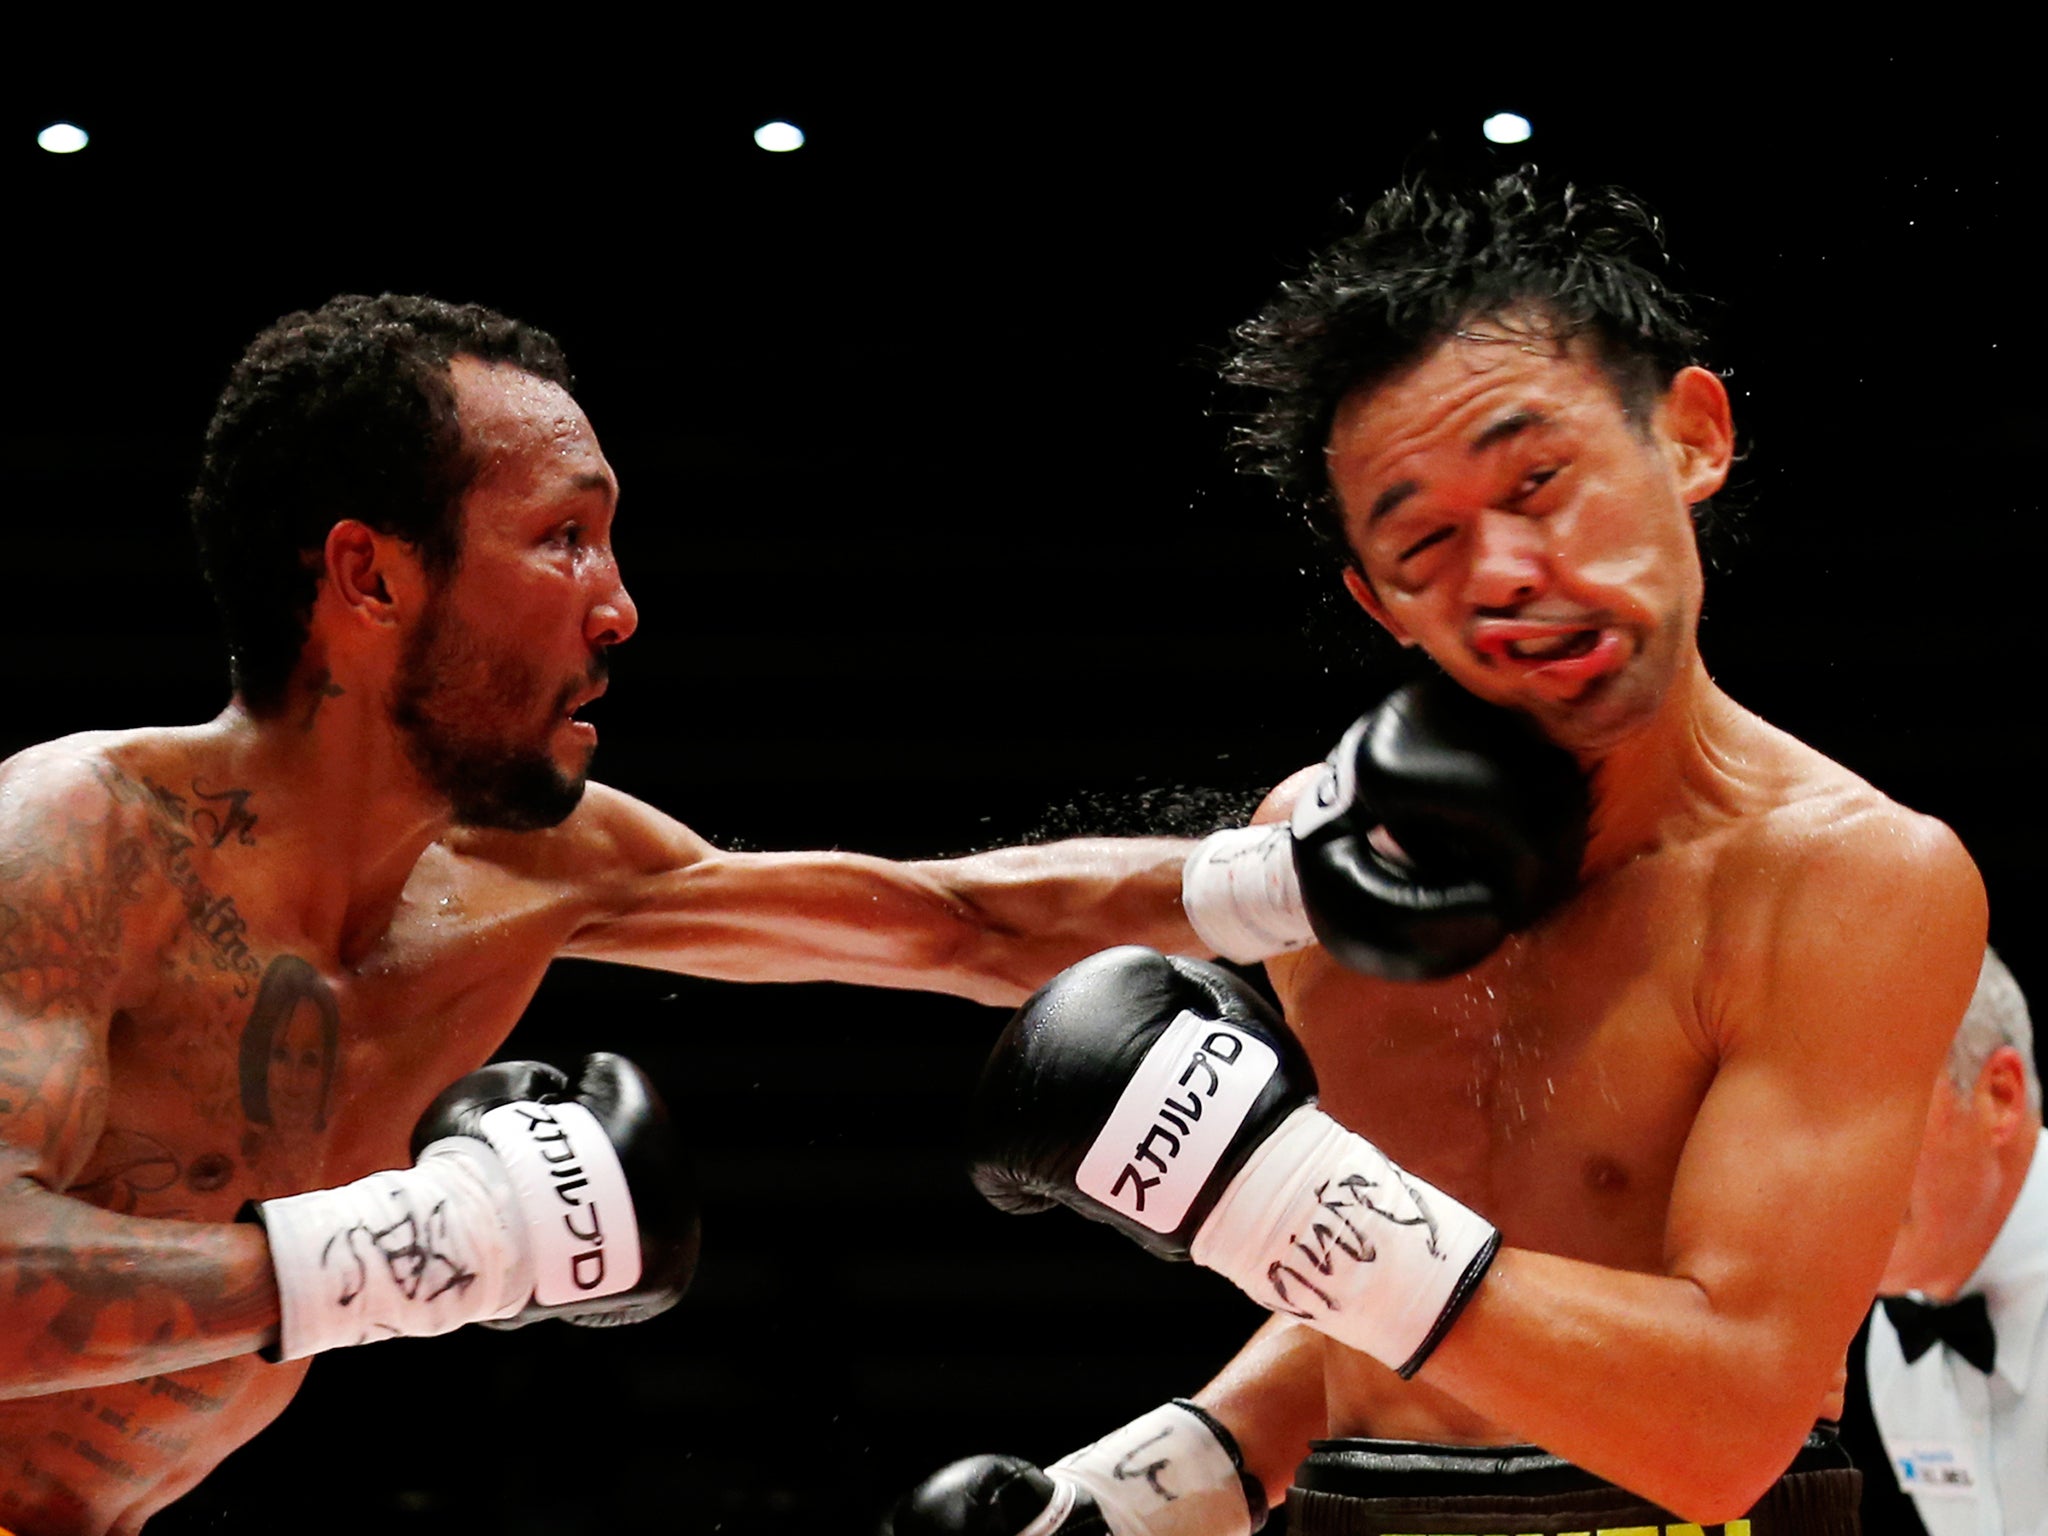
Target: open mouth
pixel 1560 647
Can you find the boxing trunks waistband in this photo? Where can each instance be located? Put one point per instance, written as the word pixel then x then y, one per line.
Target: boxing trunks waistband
pixel 1403 1488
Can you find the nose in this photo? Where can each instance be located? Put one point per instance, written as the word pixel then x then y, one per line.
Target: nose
pixel 1507 566
pixel 613 617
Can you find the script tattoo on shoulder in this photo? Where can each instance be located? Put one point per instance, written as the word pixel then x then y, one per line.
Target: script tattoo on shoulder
pixel 178 823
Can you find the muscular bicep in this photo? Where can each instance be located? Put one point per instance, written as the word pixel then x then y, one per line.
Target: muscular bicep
pixel 71 873
pixel 53 1095
pixel 1793 1177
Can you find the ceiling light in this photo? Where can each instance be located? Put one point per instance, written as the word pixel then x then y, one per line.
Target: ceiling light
pixel 1506 128
pixel 63 138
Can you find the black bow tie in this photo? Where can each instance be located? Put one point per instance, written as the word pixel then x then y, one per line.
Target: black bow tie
pixel 1964 1326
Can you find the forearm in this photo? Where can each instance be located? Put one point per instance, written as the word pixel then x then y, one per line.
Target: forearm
pixel 1271 1398
pixel 1638 1378
pixel 1033 911
pixel 87 1297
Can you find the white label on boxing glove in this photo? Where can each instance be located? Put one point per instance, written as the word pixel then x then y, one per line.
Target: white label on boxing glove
pixel 1334 791
pixel 574 1196
pixel 1180 1110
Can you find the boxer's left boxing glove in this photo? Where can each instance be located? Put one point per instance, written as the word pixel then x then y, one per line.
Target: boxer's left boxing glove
pixel 528 1197
pixel 1162 1096
pixel 1175 1471
pixel 1440 825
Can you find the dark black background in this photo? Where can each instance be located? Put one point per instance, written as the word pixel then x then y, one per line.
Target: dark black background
pixel 935 548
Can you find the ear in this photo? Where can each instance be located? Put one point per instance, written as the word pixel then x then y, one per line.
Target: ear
pixel 2002 1094
pixel 1698 431
pixel 372 576
pixel 1362 594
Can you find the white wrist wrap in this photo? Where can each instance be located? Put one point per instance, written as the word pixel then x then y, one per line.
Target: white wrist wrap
pixel 532 1210
pixel 1163 1474
pixel 400 1254
pixel 1241 895
pixel 1320 1226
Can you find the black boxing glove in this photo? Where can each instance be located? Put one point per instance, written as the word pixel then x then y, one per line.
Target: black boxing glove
pixel 661 1218
pixel 1162 1096
pixel 1175 1471
pixel 1439 825
pixel 528 1197
pixel 1064 1078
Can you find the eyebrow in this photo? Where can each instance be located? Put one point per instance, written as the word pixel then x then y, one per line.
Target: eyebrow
pixel 1510 425
pixel 1391 498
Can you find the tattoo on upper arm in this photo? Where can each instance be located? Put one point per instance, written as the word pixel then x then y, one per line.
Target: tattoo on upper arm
pixel 53 1099
pixel 66 891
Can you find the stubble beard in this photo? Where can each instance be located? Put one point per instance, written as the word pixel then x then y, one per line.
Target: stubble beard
pixel 449 692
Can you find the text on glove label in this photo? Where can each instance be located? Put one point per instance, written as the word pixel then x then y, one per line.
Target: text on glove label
pixel 1176 1116
pixel 586 1242
pixel 1333 791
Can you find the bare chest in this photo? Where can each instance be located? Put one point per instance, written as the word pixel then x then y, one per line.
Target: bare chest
pixel 258 1065
pixel 1551 1088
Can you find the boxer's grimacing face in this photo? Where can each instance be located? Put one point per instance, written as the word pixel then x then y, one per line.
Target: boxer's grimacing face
pixel 1509 518
pixel 514 641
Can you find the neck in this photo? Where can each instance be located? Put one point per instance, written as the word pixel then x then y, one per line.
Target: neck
pixel 1683 761
pixel 331 781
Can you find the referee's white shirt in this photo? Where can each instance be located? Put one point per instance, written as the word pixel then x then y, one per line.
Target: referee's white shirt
pixel 1972 1449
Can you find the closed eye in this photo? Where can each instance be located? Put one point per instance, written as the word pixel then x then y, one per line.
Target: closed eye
pixel 1425 542
pixel 1535 480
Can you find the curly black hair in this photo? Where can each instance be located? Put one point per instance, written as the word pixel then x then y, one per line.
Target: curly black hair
pixel 1427 262
pixel 346 411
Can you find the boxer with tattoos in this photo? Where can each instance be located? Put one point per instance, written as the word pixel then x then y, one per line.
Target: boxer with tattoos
pixel 239 961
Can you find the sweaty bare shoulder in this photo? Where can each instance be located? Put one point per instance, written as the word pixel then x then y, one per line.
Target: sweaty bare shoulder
pixel 78 910
pixel 1840 892
pixel 608 842
pixel 1279 802
pixel 79 914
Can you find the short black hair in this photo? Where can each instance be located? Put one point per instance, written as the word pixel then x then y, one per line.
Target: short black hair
pixel 1427 262
pixel 346 411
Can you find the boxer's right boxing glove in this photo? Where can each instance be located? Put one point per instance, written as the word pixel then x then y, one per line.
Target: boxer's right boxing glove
pixel 1175 1471
pixel 539 1121
pixel 1162 1096
pixel 528 1197
pixel 1439 825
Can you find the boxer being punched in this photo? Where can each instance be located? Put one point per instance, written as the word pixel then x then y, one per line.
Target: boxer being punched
pixel 1631 1177
pixel 239 961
